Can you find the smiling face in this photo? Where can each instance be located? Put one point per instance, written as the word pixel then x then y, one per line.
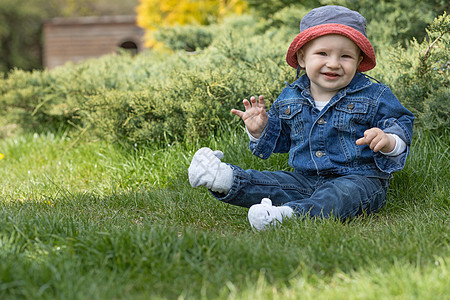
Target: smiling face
pixel 330 62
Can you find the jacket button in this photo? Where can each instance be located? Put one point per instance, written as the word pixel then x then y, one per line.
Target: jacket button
pixel 350 106
pixel 321 121
pixel 288 110
pixel 320 153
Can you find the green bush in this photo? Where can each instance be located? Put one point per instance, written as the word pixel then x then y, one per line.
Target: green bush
pixel 189 38
pixel 162 97
pixel 419 76
pixel 35 101
pixel 392 22
pixel 189 96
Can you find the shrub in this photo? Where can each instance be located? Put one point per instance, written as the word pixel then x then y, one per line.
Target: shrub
pixel 153 96
pixel 419 76
pixel 189 38
pixel 159 97
pixel 189 96
pixel 391 22
pixel 35 100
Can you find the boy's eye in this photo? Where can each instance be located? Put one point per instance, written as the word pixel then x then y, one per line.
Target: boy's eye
pixel 322 53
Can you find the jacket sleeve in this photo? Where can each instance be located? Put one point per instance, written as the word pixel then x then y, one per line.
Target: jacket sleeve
pixel 393 118
pixel 275 137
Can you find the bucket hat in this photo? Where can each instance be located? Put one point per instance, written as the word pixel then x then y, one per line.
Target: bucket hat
pixel 333 19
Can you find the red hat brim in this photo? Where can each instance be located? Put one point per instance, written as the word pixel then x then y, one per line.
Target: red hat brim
pixel 357 37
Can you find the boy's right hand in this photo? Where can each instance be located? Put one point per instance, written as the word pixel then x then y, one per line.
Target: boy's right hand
pixel 255 116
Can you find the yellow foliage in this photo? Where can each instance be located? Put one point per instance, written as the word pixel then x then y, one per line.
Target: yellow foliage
pixel 152 14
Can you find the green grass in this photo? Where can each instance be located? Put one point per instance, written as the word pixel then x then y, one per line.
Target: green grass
pixel 91 220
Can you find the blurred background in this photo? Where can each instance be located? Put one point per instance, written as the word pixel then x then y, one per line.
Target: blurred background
pixel 35 34
pixel 22 24
pixel 175 67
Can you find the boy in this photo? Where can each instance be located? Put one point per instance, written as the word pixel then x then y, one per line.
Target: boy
pixel 345 134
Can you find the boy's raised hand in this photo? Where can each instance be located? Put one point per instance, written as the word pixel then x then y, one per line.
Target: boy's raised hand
pixel 255 116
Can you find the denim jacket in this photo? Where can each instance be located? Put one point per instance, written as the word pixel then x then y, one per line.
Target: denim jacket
pixel 324 142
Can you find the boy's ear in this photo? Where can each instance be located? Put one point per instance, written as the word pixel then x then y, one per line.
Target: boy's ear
pixel 301 58
pixel 360 59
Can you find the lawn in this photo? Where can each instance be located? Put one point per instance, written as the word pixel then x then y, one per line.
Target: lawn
pixel 85 219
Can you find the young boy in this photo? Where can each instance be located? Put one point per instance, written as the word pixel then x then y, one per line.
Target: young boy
pixel 345 134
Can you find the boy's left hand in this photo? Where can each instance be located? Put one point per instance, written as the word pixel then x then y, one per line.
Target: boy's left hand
pixel 377 140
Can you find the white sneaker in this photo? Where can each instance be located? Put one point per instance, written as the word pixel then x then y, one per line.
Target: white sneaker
pixel 208 170
pixel 265 214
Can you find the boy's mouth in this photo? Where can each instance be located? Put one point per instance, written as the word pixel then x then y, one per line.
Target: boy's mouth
pixel 331 75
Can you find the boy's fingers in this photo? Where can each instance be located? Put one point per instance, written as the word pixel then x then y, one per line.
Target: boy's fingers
pixel 374 143
pixel 377 148
pixel 361 141
pixel 369 134
pixel 367 139
pixel 250 104
pixel 262 103
pixel 380 144
pixel 238 113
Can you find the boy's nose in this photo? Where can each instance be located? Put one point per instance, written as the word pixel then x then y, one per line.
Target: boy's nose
pixel 333 62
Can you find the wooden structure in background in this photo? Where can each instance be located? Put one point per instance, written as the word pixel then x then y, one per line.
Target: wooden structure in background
pixel 76 39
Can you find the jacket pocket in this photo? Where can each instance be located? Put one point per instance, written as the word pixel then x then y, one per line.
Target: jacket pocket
pixel 290 115
pixel 350 113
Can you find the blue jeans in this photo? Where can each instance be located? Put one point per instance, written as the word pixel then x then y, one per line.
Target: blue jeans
pixel 316 196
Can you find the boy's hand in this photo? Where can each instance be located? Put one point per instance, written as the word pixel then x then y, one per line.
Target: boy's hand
pixel 255 116
pixel 377 140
